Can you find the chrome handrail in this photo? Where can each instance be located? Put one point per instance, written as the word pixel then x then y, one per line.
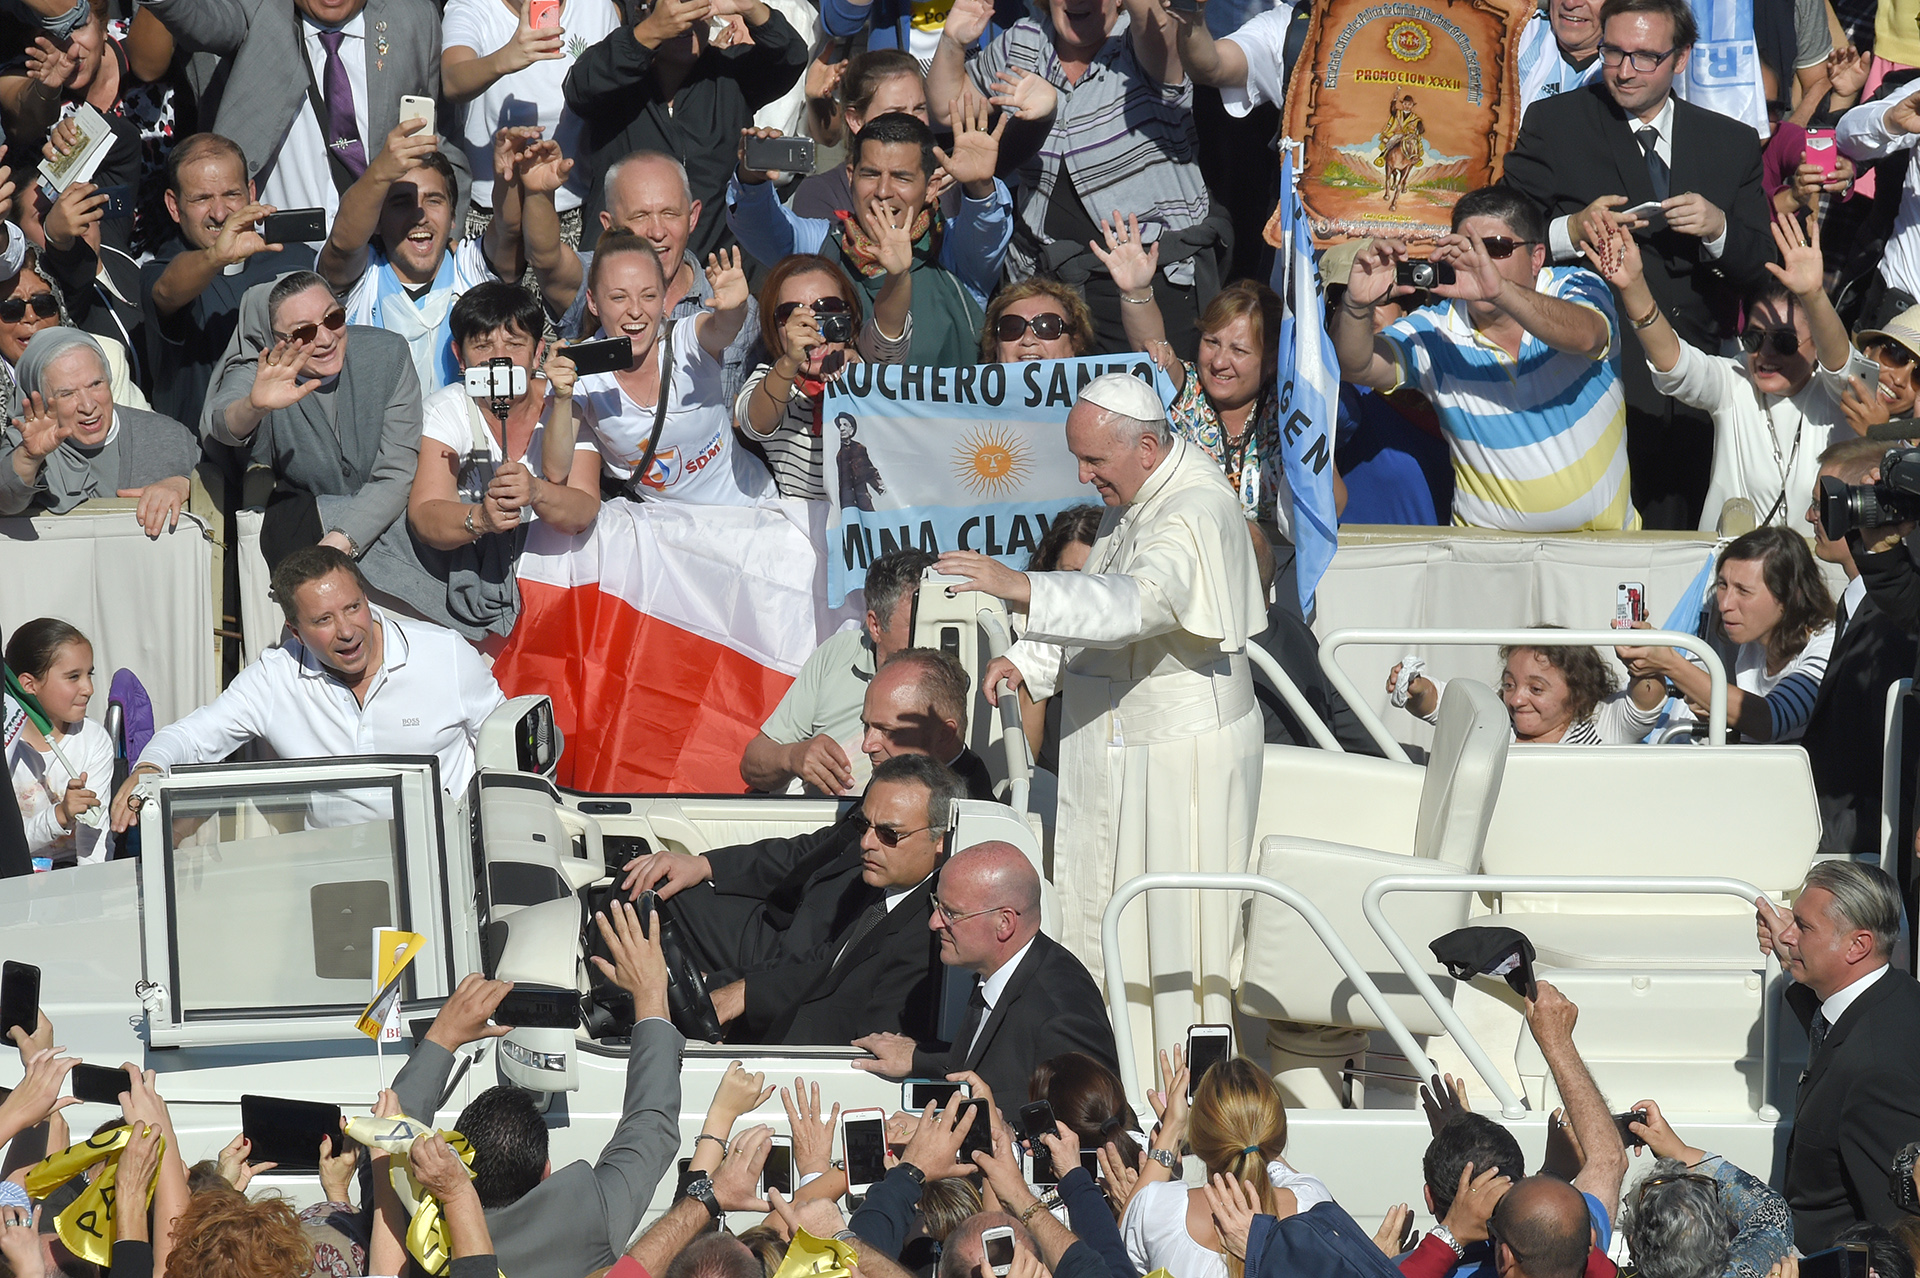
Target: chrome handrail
pixel 1013 732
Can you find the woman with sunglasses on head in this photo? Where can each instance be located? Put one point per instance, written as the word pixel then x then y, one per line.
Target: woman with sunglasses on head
pixel 332 408
pixel 1037 318
pixel 1776 407
pixel 1895 349
pixel 815 331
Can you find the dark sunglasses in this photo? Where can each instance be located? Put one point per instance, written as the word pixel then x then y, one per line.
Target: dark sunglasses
pixel 1046 327
pixel 1501 247
pixel 1784 341
pixel 14 309
pixel 1896 354
pixel 887 834
pixel 335 320
pixel 820 306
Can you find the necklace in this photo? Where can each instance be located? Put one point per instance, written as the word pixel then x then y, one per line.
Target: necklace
pixel 1785 466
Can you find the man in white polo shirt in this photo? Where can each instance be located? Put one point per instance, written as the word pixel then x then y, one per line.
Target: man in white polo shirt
pixel 350 680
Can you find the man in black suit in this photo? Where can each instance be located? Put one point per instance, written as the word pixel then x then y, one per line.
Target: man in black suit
pixel 1871 652
pixel 1625 142
pixel 1859 1100
pixel 1033 999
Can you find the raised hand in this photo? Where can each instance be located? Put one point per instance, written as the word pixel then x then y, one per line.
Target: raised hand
pixel 801 334
pixel 1444 1098
pixel 670 18
pixel 6 183
pixel 62 138
pixel 1476 279
pixel 234 1167
pixel 1372 278
pixel 276 383
pixel 37 1096
pixel 79 209
pixel 1022 94
pixel 1771 923
pixel 409 143
pixel 541 168
pixel 739 1093
pixel 238 241
pixel 1803 269
pixel 559 371
pixel 823 78
pixel 976 149
pixel 967 21
pixel 529 44
pixel 438 1169
pixel 1132 264
pixel 1905 114
pixel 1170 1102
pixel 1614 254
pixel 893 236
pixel 638 965
pixel 1586 224
pixel 754 176
pixel 812 1130
pixel 1847 71
pixel 49 64
pixel 727 280
pixel 338 1158
pixel 1863 408
pixel 509 145
pixel 40 431
pixel 1120 1180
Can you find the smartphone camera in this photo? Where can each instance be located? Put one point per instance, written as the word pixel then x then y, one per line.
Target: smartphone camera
pixel 996 1246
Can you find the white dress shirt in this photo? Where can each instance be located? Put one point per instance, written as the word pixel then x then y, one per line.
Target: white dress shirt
pixel 430 696
pixel 994 986
pixel 298 176
pixel 1836 1004
pixel 1560 239
pixel 1863 135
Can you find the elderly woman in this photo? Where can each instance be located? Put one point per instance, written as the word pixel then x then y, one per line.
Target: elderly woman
pixel 1103 71
pixel 340 429
pixel 29 304
pixel 1696 1215
pixel 1035 319
pixel 1770 600
pixel 71 442
pixel 804 293
pixel 1777 407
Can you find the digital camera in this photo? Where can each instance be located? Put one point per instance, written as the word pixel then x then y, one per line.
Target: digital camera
pixel 1893 498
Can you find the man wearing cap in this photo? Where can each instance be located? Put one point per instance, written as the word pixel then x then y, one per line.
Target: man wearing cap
pixel 1160 734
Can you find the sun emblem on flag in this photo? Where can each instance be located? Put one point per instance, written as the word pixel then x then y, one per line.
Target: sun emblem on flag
pixel 991 462
pixel 1409 41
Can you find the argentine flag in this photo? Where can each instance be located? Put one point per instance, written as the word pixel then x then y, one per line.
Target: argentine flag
pixel 1309 381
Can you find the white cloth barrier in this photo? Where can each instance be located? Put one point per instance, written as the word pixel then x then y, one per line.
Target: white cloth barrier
pixel 146 603
pixel 261 620
pixel 1461 578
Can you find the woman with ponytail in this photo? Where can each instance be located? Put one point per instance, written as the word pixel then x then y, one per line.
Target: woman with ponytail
pixel 1238 1128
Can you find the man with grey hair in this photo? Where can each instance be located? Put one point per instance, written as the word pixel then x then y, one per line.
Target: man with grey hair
pixel 809 743
pixel 1032 1000
pixel 1859 1099
pixel 647 193
pixel 1160 735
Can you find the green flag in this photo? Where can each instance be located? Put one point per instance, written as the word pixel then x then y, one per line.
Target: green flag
pixel 27 702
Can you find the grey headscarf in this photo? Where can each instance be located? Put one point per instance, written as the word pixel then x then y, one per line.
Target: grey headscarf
pixel 69 467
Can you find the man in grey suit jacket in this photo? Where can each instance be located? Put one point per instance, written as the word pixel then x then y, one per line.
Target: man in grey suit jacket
pixel 565 1223
pixel 271 94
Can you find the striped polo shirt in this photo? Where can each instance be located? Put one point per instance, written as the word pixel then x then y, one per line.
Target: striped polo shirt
pixel 1539 444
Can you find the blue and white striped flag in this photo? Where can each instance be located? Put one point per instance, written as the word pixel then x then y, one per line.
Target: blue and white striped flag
pixel 1309 381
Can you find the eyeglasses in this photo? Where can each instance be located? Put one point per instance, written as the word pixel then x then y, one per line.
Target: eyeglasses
pixel 14 309
pixel 1674 1179
pixel 1884 349
pixel 1643 60
pixel 819 306
pixel 335 320
pixel 887 834
pixel 1784 341
pixel 1502 247
pixel 1046 327
pixel 955 916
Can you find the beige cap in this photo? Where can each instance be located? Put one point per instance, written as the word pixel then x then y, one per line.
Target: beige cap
pixel 1903 329
pixel 1336 264
pixel 1127 395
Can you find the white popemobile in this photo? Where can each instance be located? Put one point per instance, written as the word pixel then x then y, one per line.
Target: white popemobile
pixel 233 955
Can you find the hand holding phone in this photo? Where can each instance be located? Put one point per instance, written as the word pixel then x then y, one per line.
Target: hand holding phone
pixel 863 1144
pixel 608 355
pixel 19 998
pixel 1207 1046
pixel 1822 151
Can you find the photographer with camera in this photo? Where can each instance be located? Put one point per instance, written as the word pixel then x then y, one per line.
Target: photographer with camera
pixel 488 445
pixel 1876 518
pixel 1534 416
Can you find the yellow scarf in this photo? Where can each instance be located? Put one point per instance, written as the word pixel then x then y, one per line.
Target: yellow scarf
pixel 427 1240
pixel 86 1226
pixel 810 1257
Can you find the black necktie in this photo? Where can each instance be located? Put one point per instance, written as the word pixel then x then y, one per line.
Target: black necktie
pixel 1816 1035
pixel 1841 616
pixel 1649 139
pixel 868 920
pixel 970 1028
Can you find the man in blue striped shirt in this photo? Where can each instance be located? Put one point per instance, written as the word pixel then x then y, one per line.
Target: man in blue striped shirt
pixel 1521 365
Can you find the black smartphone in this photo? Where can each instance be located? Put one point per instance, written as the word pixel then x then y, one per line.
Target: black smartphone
pixel 19 998
pixel 1207 1046
pixel 609 355
pixel 834 50
pixel 778 155
pixel 1423 274
pixel 119 201
pixel 687 1177
pixel 294 226
pixel 980 1135
pixel 1090 1159
pixel 1036 1120
pixel 863 1142
pixel 1627 1136
pixel 1849 1261
pixel 778 1171
pixel 99 1084
pixel 537 1008
pixel 288 1132
pixel 918 1093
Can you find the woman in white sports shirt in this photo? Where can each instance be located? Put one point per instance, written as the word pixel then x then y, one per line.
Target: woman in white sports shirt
pixel 697 458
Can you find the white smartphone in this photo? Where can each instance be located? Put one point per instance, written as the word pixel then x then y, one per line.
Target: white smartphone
pixel 1651 213
pixel 996 1248
pixel 777 1173
pixel 416 108
pixel 496 379
pixel 863 1144
pixel 918 1093
pixel 1207 1046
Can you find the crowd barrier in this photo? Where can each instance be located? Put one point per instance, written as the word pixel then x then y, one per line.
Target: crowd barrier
pixel 150 605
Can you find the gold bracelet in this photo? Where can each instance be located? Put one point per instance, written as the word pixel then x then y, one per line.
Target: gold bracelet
pixel 1027 1215
pixel 1652 317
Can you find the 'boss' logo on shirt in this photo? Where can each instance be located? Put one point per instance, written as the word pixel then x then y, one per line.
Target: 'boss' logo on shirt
pixel 409 723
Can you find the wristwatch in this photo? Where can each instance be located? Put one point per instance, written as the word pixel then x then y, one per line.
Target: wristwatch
pixel 701 1191
pixel 1164 1157
pixel 1445 1235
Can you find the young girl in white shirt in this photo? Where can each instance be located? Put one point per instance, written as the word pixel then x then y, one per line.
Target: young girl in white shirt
pixel 54 662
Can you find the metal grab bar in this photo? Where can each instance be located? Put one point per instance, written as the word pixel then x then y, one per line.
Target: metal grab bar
pixel 1523 637
pixel 1013 732
pixel 1296 701
pixel 1117 1010
pixel 1511 1105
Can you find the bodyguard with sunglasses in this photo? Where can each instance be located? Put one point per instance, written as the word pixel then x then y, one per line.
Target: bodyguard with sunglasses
pixel 1589 155
pixel 823 937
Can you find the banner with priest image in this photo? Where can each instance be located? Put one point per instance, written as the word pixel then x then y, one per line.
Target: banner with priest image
pixel 1402 107
pixel 967 458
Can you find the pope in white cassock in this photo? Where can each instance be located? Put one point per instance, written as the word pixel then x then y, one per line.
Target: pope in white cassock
pixel 1161 739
